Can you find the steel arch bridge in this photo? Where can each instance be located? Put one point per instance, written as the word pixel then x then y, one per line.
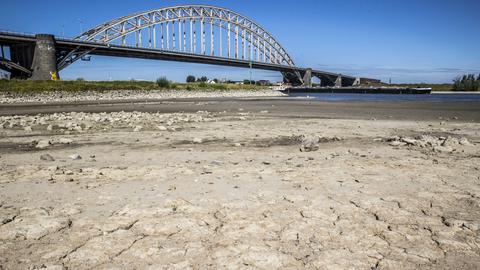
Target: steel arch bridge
pixel 190 33
pixel 181 26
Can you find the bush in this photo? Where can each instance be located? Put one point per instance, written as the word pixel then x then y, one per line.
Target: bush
pixel 163 82
pixel 466 83
pixel 191 79
pixel 203 85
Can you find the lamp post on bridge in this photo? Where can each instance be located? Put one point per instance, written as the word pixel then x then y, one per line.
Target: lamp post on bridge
pixel 81 25
pixel 250 65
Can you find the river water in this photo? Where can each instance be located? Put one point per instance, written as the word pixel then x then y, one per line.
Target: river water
pixel 434 97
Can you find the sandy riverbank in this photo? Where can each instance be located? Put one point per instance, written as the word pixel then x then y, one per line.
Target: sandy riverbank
pixel 206 190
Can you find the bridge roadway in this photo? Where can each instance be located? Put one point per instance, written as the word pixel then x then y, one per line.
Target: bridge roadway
pixel 64 44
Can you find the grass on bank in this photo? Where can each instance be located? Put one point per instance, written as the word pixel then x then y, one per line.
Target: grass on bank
pixel 80 85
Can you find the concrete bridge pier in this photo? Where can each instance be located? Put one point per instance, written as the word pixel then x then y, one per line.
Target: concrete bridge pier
pixel 307 78
pixel 338 81
pixel 44 64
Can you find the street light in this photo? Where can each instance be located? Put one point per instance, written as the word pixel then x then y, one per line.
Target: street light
pixel 250 82
pixel 81 25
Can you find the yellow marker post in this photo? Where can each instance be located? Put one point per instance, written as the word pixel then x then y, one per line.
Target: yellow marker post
pixel 53 74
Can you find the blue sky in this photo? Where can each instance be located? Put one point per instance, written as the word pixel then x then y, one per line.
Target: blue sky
pixel 407 41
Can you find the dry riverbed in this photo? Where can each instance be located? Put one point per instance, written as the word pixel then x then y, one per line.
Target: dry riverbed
pixel 238 190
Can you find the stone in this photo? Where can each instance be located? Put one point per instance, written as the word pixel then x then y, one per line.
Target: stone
pixel 75 157
pixel 162 128
pixel 65 141
pixel 443 149
pixel 49 127
pixel 427 140
pixel 237 144
pixel 197 140
pixel 47 157
pixel 450 142
pixel 409 141
pixel 42 144
pixel 137 128
pixel 309 144
pixel 464 141
pixel 396 143
pixel 53 267
pixel 27 129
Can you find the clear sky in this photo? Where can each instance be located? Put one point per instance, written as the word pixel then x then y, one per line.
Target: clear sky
pixel 405 40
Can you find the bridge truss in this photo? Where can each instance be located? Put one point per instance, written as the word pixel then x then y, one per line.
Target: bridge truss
pixel 195 29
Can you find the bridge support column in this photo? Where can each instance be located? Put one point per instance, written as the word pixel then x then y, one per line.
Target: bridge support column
pixel 307 78
pixel 356 82
pixel 44 66
pixel 338 81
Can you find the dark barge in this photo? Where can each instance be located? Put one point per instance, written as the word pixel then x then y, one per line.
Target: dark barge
pixel 359 90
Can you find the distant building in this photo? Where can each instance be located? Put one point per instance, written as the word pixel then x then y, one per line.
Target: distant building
pixel 368 81
pixel 211 82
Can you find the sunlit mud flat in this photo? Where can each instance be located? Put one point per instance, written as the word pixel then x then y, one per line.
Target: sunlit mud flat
pixel 241 190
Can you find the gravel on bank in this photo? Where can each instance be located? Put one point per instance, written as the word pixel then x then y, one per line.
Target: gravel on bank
pixel 64 96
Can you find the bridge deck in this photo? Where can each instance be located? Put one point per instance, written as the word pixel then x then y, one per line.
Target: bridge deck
pixel 9 38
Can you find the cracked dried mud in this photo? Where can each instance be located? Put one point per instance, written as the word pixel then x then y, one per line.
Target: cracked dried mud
pixel 133 190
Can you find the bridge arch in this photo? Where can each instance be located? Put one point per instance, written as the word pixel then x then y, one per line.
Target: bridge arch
pixel 176 28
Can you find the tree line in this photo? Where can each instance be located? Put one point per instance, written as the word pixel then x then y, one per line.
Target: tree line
pixel 467 82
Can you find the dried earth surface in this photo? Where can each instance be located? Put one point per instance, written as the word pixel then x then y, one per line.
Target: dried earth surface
pixel 237 190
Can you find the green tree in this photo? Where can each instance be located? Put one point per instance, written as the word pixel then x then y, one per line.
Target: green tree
pixel 202 79
pixel 191 79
